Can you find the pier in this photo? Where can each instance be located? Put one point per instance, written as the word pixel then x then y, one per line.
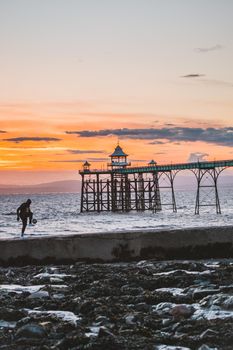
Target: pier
pixel 122 188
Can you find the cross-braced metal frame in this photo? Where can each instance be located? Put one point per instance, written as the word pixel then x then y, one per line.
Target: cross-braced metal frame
pixel 123 192
pixel 213 174
pixel 170 177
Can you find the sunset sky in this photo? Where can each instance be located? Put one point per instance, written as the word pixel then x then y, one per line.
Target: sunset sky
pixel 79 75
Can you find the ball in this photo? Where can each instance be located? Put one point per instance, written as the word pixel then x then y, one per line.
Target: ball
pixel 34 221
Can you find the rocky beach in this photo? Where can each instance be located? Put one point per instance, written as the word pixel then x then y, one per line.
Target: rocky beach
pixel 147 305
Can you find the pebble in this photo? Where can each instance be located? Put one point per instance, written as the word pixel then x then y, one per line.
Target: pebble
pixel 127 306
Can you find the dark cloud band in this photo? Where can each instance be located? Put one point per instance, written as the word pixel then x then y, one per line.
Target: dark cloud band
pixel 193 75
pixel 36 139
pixel 219 136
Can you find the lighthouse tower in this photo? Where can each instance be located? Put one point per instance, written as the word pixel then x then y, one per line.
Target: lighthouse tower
pixel 118 159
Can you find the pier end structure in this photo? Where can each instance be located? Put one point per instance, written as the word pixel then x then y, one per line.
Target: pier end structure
pixel 118 190
pixel 122 188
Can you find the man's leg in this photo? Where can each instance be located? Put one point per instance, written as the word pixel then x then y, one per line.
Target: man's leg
pixel 30 217
pixel 24 221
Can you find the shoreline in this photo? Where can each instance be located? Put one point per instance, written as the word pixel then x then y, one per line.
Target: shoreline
pixel 187 243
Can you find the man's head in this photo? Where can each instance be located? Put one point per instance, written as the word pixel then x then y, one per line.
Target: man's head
pixel 29 201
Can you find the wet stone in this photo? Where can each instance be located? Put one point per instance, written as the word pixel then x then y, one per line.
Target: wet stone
pixel 31 330
pixel 148 305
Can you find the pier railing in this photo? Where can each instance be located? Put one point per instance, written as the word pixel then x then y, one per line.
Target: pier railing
pixel 163 167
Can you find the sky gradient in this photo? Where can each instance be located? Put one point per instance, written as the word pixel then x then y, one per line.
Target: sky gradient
pixel 77 76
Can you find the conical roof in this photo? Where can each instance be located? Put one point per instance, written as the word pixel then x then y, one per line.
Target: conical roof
pixel 86 163
pixel 118 152
pixel 152 162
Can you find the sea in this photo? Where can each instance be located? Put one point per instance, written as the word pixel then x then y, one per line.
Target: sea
pixel 59 214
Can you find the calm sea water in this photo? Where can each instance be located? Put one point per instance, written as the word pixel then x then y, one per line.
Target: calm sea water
pixel 59 214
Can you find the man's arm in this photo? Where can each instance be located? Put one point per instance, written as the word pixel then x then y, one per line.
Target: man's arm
pixel 18 212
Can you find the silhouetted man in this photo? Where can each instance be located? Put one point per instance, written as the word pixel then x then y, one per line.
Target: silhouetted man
pixel 24 212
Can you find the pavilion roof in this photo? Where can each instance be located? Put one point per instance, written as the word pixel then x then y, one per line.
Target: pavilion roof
pixel 118 152
pixel 152 162
pixel 86 163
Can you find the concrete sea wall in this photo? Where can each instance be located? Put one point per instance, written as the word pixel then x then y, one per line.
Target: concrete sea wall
pixel 192 243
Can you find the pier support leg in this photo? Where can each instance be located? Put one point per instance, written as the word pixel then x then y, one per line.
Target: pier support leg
pixel 82 195
pixel 207 179
pixel 156 197
pixel 170 176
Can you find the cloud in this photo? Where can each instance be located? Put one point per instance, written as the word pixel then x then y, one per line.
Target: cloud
pixel 219 136
pixel 2 132
pixel 194 75
pixel 197 156
pixel 83 151
pixel 67 161
pixel 36 139
pixel 208 81
pixel 79 160
pixel 217 82
pixel 156 143
pixel 209 49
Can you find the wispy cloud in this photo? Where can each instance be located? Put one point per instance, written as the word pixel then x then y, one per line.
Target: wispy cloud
pixel 36 139
pixel 219 136
pixel 209 49
pixel 216 82
pixel 84 151
pixel 67 161
pixel 193 75
pixel 197 156
pixel 156 142
pixel 207 81
pixel 2 132
pixel 79 160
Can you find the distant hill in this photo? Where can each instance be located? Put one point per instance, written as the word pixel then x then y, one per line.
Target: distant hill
pixel 70 186
pixel 67 186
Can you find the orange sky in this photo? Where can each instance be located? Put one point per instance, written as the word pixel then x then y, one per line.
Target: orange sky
pixel 155 75
pixel 55 150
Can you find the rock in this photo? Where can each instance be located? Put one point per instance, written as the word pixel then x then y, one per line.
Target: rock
pixel 130 319
pixel 41 294
pixel 6 324
pixel 56 280
pixel 142 307
pixel 58 296
pixel 170 347
pixel 9 314
pixel 10 273
pixel 86 306
pixel 206 347
pixel 208 333
pixel 104 332
pixel 228 303
pixel 182 311
pixel 31 330
pixel 163 308
pixel 101 320
pixel 131 291
pixel 166 321
pixel 201 293
pixel 119 306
